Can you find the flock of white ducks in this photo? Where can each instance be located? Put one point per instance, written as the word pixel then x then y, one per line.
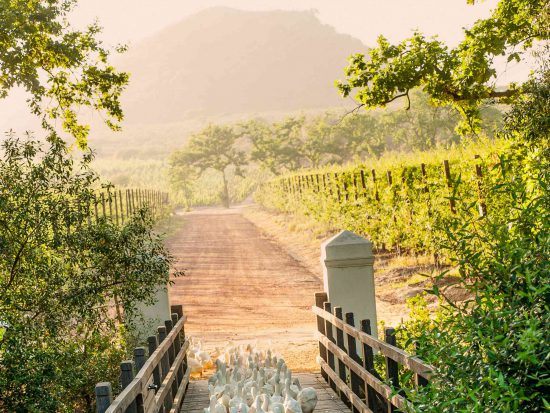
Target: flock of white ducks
pixel 248 380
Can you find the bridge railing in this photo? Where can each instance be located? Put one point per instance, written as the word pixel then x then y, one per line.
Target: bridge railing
pixel 161 380
pixel 348 361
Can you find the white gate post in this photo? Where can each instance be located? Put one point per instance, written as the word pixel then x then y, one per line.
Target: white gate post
pixel 348 275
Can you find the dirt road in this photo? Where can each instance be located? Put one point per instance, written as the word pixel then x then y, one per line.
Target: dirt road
pixel 241 286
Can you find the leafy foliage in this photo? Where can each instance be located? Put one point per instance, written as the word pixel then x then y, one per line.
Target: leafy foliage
pixel 62 69
pixel 60 275
pixel 463 76
pixel 212 148
pixel 491 352
pixel 402 216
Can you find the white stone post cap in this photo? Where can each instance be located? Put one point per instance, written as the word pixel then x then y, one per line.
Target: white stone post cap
pixel 347 249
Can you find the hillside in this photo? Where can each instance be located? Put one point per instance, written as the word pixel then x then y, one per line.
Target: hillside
pixel 223 61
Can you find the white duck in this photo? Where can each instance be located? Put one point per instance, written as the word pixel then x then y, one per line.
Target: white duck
pixel 291 405
pixel 307 399
pixel 215 407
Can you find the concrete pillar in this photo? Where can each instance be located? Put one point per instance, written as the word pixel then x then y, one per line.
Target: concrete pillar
pixel 348 275
pixel 150 316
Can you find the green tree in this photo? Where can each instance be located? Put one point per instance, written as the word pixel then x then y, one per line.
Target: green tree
pixel 491 351
pixel 215 148
pixel 60 274
pixel 62 69
pixel 278 146
pixel 463 76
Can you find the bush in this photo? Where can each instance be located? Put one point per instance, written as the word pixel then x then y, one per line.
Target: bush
pixel 61 276
pixel 491 352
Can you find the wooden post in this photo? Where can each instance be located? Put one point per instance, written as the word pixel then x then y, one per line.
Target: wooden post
pixel 340 343
pixel 345 184
pixel 103 204
pixel 103 396
pixel 177 348
pixel 363 183
pixel 121 206
pixel 126 377
pixel 447 170
pixel 357 384
pixel 376 196
pixel 110 206
pixel 368 364
pixel 337 186
pixel 140 357
pixel 96 212
pixel 330 336
pixel 153 344
pixel 479 175
pixel 128 204
pixel 165 362
pixel 392 367
pixel 356 194
pixel 320 298
pixel 116 208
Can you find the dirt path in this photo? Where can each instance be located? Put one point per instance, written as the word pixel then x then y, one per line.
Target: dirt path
pixel 241 286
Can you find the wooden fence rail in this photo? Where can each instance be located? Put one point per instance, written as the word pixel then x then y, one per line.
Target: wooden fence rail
pixel 118 204
pixel 348 365
pixel 161 380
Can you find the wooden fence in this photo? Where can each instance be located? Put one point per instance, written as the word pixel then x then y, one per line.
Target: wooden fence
pixel 351 185
pixel 161 380
pixel 348 361
pixel 118 204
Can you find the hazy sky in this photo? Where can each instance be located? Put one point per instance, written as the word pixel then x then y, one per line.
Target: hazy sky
pixel 131 20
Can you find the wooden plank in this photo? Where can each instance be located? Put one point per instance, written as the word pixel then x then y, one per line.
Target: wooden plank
pixel 166 386
pixel 411 362
pixel 343 387
pixel 180 395
pixel 378 385
pixel 141 381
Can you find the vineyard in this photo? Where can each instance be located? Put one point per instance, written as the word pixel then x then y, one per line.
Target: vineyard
pixel 396 202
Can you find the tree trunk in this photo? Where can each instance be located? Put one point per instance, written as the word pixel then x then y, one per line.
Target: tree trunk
pixel 225 199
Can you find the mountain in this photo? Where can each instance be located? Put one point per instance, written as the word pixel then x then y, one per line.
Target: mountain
pixel 223 61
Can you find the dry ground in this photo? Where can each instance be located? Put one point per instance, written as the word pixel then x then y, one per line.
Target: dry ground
pixel 241 286
pixel 251 275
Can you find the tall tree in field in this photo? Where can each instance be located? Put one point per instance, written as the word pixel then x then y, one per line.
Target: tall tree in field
pixel 215 147
pixel 62 69
pixel 464 76
pixel 278 146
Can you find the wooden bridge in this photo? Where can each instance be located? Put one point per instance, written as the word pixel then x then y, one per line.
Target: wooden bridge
pixel 348 380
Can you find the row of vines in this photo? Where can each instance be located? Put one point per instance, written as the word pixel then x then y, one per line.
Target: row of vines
pixel 398 206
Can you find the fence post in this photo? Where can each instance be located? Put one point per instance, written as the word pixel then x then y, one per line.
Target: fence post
pixel 447 169
pixel 103 205
pixel 348 274
pixel 103 396
pixel 340 343
pixel 139 357
pixel 126 377
pixel 153 344
pixel 330 336
pixel 479 175
pixel 376 196
pixel 320 298
pixel 368 364
pixel 392 367
pixel 357 384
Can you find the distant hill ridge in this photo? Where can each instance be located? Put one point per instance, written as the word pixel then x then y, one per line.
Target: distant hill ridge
pixel 223 61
